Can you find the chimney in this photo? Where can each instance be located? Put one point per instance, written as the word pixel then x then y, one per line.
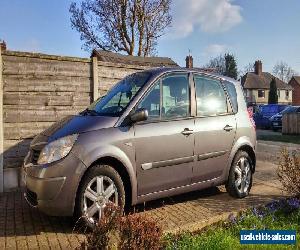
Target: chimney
pixel 189 61
pixel 258 67
pixel 3 45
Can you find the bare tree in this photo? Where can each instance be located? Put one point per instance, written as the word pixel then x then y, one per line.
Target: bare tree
pixel 283 71
pixel 247 68
pixel 224 65
pixel 218 64
pixel 129 26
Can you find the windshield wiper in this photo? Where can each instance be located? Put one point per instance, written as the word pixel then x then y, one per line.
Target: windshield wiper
pixel 88 111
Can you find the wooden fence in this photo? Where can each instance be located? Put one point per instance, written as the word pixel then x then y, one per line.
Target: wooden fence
pixel 37 90
pixel 291 124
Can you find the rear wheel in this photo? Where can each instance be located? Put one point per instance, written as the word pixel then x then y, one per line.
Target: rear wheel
pixel 239 181
pixel 102 185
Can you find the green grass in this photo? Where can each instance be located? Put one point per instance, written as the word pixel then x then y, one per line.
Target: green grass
pixel 225 235
pixel 280 138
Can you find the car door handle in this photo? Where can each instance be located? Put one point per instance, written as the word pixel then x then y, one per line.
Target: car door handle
pixel 228 128
pixel 187 131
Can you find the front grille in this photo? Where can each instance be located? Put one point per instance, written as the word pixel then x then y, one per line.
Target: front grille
pixel 31 197
pixel 35 156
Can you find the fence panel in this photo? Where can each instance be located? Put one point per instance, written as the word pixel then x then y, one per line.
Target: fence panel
pixel 291 124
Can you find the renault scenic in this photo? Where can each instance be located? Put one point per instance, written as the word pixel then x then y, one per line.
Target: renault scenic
pixel 156 133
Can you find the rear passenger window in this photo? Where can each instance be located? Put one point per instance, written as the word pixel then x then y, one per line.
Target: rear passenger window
pixel 211 99
pixel 232 95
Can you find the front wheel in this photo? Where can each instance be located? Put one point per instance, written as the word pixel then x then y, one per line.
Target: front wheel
pixel 102 185
pixel 239 180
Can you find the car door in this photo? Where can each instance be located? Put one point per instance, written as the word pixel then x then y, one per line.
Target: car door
pixel 164 144
pixel 215 128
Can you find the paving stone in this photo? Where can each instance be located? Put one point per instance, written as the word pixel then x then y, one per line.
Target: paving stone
pixel 24 227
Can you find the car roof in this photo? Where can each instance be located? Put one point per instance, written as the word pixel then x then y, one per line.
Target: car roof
pixel 271 105
pixel 162 70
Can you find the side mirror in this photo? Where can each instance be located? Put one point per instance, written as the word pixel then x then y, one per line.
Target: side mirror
pixel 139 115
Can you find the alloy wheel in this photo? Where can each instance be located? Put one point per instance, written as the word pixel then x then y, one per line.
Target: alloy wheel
pixel 243 175
pixel 100 191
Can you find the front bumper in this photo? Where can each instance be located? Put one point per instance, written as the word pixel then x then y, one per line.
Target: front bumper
pixel 45 189
pixel 52 189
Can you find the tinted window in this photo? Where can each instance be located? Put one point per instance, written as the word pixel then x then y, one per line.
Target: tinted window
pixel 151 102
pixel 211 99
pixel 175 99
pixel 232 95
pixel 118 98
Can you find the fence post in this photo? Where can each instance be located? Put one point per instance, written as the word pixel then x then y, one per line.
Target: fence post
pixel 1 124
pixel 95 78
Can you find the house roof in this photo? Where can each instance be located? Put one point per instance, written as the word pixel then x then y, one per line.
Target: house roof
pixel 106 56
pixel 254 81
pixel 297 79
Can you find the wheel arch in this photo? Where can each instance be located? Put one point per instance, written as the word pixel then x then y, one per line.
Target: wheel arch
pixel 123 170
pixel 247 148
pixel 243 144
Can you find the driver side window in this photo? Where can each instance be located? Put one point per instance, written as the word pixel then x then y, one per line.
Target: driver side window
pixel 175 98
pixel 151 102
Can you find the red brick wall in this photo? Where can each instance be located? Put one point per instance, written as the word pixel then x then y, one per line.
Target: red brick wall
pixel 296 91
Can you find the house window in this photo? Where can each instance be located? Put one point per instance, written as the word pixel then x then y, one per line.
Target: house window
pixel 278 93
pixel 287 94
pixel 261 93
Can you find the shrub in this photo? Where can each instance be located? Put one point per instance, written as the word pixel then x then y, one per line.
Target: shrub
pixel 289 171
pixel 133 231
pixel 139 232
pixel 101 235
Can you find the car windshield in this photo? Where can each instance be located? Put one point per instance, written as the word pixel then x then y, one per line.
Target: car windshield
pixel 289 110
pixel 272 109
pixel 118 98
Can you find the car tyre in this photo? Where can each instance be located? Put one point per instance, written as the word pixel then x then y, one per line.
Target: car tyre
pixel 239 180
pixel 100 186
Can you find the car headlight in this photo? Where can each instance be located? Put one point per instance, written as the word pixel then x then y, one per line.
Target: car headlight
pixel 57 150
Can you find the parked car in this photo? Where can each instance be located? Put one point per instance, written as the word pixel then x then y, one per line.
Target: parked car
pixel 276 120
pixel 156 133
pixel 265 112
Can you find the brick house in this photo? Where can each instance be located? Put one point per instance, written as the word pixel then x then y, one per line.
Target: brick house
pixel 257 86
pixel 295 83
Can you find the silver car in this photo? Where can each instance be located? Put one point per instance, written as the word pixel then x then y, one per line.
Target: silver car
pixel 156 133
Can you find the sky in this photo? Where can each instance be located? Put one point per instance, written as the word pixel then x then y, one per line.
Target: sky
pixel 267 30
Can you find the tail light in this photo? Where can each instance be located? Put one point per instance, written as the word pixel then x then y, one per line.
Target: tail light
pixel 250 114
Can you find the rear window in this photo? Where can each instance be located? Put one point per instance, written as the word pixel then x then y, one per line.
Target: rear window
pixel 232 95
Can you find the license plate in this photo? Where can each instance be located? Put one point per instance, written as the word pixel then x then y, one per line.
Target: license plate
pixel 275 123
